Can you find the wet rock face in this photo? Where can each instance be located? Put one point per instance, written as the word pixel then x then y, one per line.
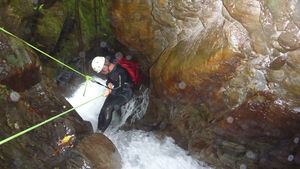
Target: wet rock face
pixel 225 76
pixel 263 116
pixel 133 24
pixel 190 39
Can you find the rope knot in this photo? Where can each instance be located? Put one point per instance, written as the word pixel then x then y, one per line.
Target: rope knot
pixel 88 78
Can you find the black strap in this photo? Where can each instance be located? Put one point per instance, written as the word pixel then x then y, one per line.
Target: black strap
pixel 100 84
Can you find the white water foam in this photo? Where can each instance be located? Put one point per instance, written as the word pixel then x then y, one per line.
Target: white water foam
pixel 90 111
pixel 143 150
pixel 138 149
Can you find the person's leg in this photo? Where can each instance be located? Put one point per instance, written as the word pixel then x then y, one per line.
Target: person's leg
pixel 111 105
pixel 105 114
pixel 117 103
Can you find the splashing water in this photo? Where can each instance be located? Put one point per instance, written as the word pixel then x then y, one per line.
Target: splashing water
pixel 143 150
pixel 90 111
pixel 138 149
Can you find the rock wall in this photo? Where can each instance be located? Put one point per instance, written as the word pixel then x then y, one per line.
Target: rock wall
pixel 224 76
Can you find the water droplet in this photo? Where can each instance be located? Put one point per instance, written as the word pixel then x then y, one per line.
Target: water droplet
pixel 34 1
pixel 290 158
pixel 182 85
pixel 230 119
pixel 296 140
pixel 251 155
pixel 297 109
pixel 137 16
pixel 119 54
pixel 27 30
pixel 244 126
pixel 103 44
pixel 243 166
pixel 129 57
pixel 82 54
pixel 61 13
pixel 14 96
pixel 16 126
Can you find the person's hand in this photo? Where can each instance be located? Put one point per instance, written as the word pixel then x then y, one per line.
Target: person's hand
pixel 109 85
pixel 108 91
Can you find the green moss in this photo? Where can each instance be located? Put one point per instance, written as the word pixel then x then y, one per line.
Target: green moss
pixel 3 2
pixel 50 26
pixel 20 57
pixel 88 28
pixel 104 21
pixel 39 8
pixel 13 60
pixel 4 92
pixel 22 8
pixel 91 13
pixel 68 48
pixel 4 54
pixel 203 112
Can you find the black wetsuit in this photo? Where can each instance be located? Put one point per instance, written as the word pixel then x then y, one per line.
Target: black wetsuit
pixel 120 95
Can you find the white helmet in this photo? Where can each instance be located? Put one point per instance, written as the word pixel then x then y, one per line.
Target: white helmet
pixel 98 63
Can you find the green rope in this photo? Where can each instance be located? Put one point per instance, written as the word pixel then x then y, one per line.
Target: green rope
pixel 44 122
pixel 5 31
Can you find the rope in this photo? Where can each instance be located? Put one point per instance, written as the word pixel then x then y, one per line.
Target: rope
pixel 44 122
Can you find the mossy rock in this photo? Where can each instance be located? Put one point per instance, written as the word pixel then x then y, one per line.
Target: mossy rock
pixel 4 92
pixel 15 15
pixel 50 24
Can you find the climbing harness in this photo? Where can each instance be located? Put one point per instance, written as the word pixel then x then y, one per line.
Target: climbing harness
pixel 61 114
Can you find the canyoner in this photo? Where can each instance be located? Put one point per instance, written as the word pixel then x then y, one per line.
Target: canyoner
pixel 122 75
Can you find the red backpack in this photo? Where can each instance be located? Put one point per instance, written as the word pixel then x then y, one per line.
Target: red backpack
pixel 132 69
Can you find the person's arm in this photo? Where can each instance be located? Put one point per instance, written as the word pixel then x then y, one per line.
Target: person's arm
pixel 122 76
pixel 120 82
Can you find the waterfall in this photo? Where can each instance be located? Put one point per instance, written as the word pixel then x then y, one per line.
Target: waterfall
pixel 138 149
pixel 90 111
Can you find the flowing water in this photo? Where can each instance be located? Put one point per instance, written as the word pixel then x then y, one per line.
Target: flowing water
pixel 138 149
